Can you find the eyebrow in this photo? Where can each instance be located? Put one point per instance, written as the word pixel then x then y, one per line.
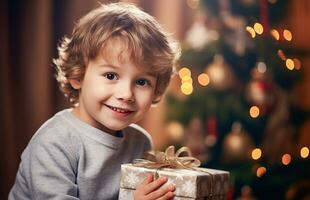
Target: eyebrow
pixel 118 67
pixel 109 65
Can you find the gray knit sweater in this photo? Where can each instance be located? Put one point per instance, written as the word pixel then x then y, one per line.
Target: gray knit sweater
pixel 69 159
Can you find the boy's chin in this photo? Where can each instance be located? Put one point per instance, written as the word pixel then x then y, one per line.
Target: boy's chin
pixel 113 128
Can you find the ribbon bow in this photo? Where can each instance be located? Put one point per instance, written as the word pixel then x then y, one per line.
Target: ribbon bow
pixel 169 158
pixel 172 159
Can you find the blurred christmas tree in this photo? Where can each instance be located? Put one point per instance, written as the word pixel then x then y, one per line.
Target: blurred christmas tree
pixel 235 107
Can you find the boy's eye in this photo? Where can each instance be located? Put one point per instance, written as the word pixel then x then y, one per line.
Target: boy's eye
pixel 142 82
pixel 110 76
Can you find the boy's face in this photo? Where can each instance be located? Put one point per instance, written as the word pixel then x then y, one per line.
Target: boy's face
pixel 114 91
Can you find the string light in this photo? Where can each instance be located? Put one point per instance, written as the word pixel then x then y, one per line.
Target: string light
pixel 256 153
pixel 184 72
pixel 275 34
pixel 287 35
pixel 258 28
pixel 286 159
pixel 289 64
pixel 203 79
pixel 261 171
pixel 187 79
pixel 254 111
pixel 251 31
pixel 187 88
pixel 304 152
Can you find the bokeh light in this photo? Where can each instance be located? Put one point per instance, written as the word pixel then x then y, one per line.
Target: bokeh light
pixel 286 159
pixel 187 88
pixel 184 72
pixel 304 152
pixel 254 111
pixel 256 153
pixel 275 34
pixel 258 28
pixel 261 171
pixel 287 35
pixel 289 64
pixel 175 130
pixel 251 31
pixel 187 79
pixel 203 79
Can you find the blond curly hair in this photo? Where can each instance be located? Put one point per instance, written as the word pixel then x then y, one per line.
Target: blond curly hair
pixel 148 45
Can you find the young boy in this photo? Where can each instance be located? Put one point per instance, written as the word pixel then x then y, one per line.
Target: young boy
pixel 117 63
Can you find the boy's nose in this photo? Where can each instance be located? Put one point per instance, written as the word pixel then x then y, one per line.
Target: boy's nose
pixel 125 93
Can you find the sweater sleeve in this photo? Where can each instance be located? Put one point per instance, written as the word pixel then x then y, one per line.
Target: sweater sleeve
pixel 50 167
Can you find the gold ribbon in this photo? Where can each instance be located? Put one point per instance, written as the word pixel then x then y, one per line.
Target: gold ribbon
pixel 169 159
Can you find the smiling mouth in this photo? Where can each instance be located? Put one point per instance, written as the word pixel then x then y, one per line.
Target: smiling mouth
pixel 120 110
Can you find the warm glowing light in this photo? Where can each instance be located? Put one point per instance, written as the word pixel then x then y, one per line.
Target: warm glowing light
pixel 287 35
pixel 275 34
pixel 184 72
pixel 289 64
pixel 187 88
pixel 281 55
pixel 286 159
pixel 251 31
pixel 187 79
pixel 175 130
pixel 203 79
pixel 261 171
pixel 258 28
pixel 256 153
pixel 297 63
pixel 304 152
pixel 254 111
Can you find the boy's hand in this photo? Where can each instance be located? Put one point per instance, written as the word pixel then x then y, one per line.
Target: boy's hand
pixel 149 189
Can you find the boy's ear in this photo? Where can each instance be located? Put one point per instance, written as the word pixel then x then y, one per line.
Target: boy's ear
pixel 75 83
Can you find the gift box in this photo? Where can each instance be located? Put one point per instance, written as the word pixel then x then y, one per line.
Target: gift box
pixel 190 181
pixel 197 183
pixel 128 195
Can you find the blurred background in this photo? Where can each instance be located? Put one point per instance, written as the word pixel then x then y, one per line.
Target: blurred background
pixel 240 101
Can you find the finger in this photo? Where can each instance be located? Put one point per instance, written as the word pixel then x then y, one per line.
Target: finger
pixel 168 195
pixel 147 180
pixel 160 192
pixel 154 185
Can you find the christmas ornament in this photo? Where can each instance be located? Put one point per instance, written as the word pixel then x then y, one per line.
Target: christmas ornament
pixel 260 89
pixel 220 73
pixel 279 131
pixel 198 35
pixel 237 144
pixel 236 38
